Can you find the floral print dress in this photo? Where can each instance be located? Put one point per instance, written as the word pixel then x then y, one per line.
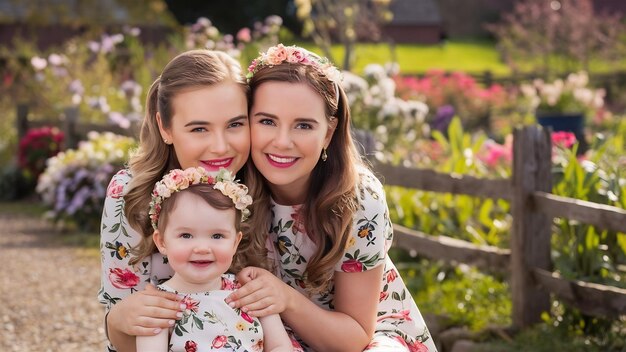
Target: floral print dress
pixel 118 278
pixel 400 326
pixel 209 324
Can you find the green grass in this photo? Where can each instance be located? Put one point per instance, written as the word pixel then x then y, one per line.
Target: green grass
pixel 67 236
pixel 23 207
pixel 469 56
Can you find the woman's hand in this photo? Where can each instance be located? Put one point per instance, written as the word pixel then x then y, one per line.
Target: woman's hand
pixel 144 312
pixel 262 293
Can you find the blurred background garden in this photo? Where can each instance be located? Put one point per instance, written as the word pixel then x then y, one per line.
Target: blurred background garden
pixel 433 84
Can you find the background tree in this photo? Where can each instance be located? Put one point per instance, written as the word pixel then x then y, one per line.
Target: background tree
pixel 345 21
pixel 564 33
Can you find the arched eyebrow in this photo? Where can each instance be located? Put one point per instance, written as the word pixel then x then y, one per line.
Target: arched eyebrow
pixel 297 120
pixel 207 123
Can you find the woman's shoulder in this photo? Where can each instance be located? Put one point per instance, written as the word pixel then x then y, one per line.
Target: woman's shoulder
pixel 369 187
pixel 119 183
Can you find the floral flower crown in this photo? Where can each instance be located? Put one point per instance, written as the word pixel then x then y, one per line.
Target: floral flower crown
pixel 177 180
pixel 279 54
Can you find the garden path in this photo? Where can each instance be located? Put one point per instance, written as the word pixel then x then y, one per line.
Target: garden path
pixel 47 291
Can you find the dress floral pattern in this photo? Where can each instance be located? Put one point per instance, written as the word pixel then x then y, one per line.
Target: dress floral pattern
pixel 400 326
pixel 209 324
pixel 118 278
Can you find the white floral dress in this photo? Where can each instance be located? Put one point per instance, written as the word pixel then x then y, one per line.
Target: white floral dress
pixel 209 324
pixel 400 326
pixel 118 278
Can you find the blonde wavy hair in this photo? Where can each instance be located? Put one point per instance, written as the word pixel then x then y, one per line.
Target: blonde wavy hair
pixel 331 201
pixel 153 158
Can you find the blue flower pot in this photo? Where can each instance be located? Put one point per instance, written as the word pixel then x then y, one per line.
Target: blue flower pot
pixel 567 122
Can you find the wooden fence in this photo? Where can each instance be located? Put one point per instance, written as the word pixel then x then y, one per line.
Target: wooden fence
pixel 73 130
pixel 527 262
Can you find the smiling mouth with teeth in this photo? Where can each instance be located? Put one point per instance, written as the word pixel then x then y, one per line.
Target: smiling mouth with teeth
pixel 280 159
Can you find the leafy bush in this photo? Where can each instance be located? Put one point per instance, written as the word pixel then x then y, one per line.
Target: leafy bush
pixel 13 184
pixel 74 184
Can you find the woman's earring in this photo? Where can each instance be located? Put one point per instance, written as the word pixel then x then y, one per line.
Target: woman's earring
pixel 324 155
pixel 165 141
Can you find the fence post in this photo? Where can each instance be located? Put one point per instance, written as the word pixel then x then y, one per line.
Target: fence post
pixel 69 127
pixel 21 120
pixel 530 241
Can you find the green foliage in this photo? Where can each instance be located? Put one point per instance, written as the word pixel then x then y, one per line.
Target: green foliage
pixel 13 183
pixel 546 338
pixel 464 295
pixel 477 220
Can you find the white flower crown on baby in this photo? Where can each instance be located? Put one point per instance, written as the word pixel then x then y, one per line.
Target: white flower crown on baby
pixel 177 180
pixel 279 54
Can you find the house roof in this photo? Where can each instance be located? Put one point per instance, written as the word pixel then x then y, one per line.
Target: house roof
pixel 412 12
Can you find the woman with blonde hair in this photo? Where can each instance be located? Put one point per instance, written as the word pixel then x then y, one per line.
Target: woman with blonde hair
pixel 196 116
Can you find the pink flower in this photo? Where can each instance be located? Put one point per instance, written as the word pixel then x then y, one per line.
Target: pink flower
pixel 191 305
pixel 246 317
pixel 295 56
pixel 219 341
pixel 563 139
pixel 244 35
pixel 392 275
pixel 352 266
pixel 383 296
pixel 229 285
pixel 276 54
pixel 417 347
pixel 115 190
pixel 123 278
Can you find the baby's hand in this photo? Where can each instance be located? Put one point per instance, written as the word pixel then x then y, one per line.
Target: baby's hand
pixel 262 293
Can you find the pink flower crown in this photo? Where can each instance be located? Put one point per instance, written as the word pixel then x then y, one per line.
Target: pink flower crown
pixel 178 180
pixel 279 54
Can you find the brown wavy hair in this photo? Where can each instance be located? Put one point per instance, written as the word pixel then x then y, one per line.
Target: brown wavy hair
pixel 330 205
pixel 154 158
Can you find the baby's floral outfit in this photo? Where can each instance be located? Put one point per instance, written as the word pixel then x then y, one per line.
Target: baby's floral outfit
pixel 210 324
pixel 400 326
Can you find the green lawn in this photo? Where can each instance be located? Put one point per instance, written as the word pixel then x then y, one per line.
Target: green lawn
pixel 467 56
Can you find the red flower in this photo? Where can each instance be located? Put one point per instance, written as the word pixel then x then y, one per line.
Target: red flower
pixel 246 317
pixel 352 266
pixel 383 296
pixel 392 275
pixel 219 341
pixel 123 278
pixel 191 346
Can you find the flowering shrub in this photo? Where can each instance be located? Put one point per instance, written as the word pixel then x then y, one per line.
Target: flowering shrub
pixel 570 96
pixel 453 94
pixel 375 107
pixel 35 148
pixel 245 45
pixel 75 181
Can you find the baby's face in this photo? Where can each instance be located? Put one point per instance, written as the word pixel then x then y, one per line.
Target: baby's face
pixel 199 242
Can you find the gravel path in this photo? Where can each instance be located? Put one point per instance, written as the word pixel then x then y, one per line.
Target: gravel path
pixel 47 291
